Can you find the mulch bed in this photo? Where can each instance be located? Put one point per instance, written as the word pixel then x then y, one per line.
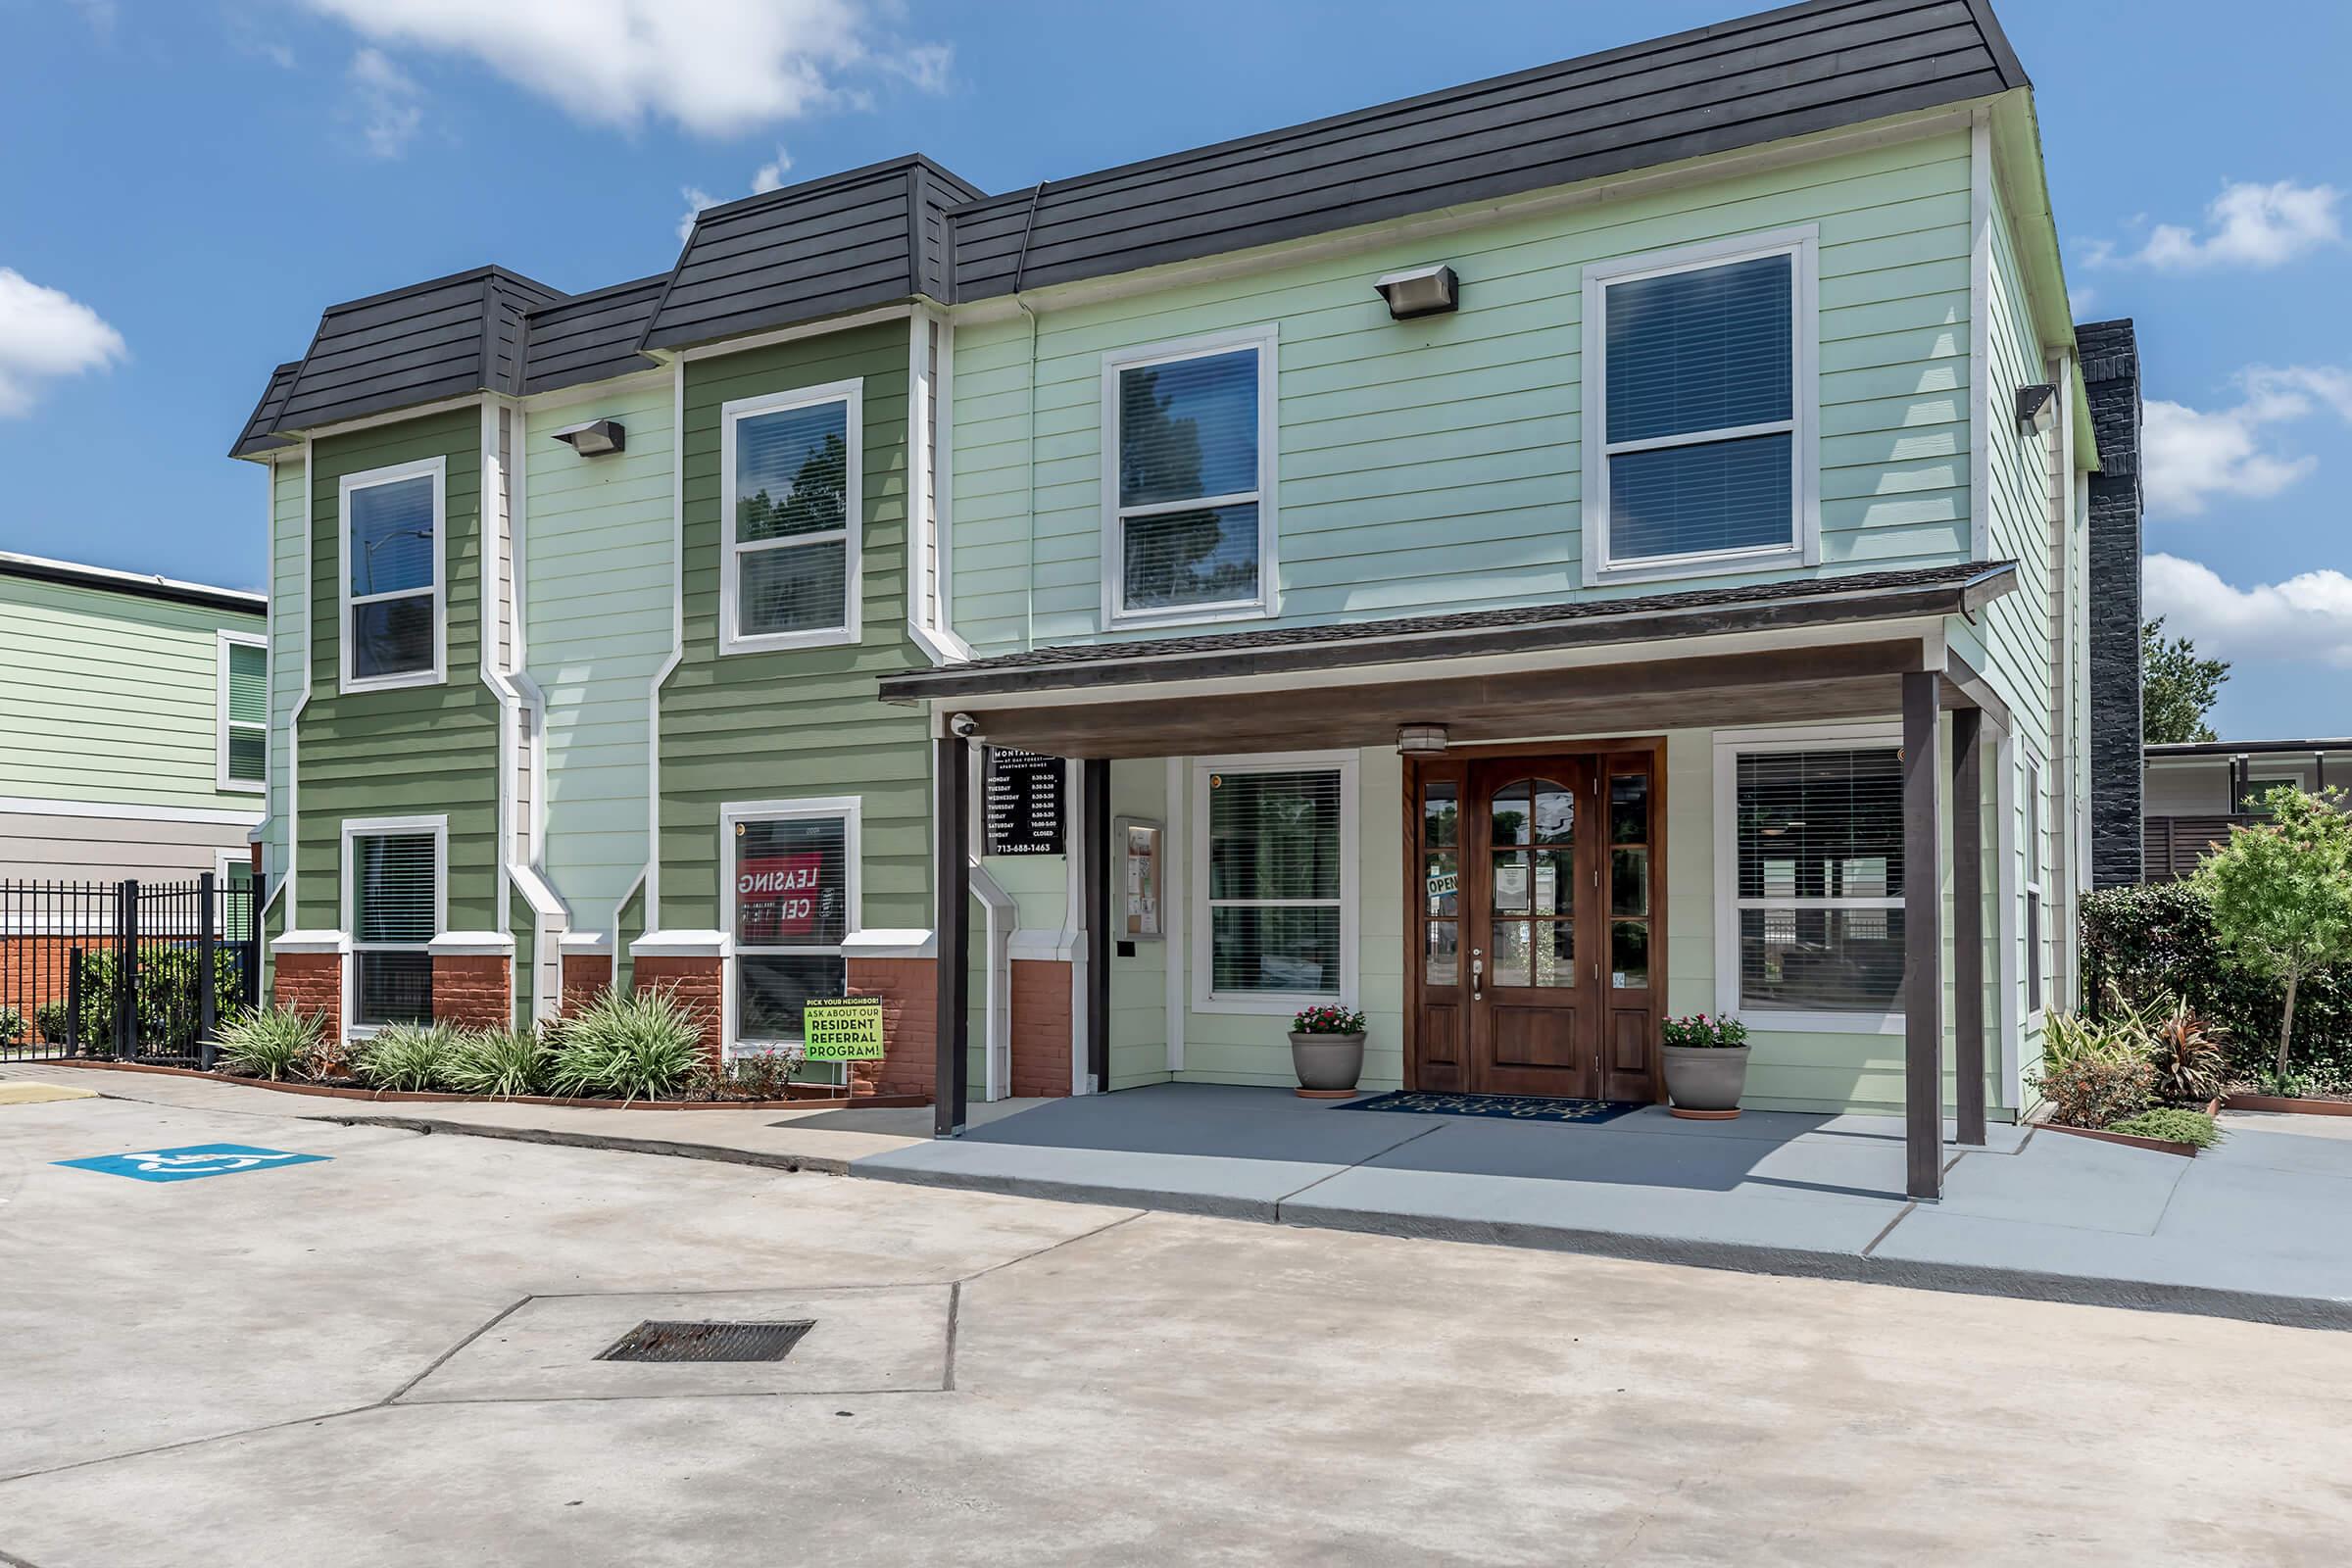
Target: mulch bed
pixel 821 1097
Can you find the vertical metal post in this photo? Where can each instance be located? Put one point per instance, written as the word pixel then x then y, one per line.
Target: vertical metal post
pixel 73 1002
pixel 1968 920
pixel 951 877
pixel 1094 834
pixel 1922 940
pixel 207 1003
pixel 126 969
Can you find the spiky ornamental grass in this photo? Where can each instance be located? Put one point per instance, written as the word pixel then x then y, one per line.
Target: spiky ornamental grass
pixel 499 1062
pixel 411 1056
pixel 627 1045
pixel 271 1043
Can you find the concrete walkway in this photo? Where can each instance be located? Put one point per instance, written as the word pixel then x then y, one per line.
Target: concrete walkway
pixel 2252 1229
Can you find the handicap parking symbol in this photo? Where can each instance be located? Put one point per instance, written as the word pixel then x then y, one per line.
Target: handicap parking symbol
pixel 191 1162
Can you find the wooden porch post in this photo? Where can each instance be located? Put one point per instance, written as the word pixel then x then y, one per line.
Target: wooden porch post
pixel 1967 919
pixel 1094 829
pixel 950 876
pixel 1922 940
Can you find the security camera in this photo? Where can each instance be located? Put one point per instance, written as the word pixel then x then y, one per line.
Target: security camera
pixel 963 727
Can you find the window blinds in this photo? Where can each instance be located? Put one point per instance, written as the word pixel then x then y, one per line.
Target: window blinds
pixel 395 873
pixel 1274 882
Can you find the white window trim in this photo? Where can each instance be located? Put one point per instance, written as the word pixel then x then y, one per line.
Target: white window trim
pixel 221 724
pixel 2038 904
pixel 364 827
pixel 851 394
pixel 1802 242
pixel 437 468
pixel 1267 341
pixel 849 810
pixel 1262 1003
pixel 1730 746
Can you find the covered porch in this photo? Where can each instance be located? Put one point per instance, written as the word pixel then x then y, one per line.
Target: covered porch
pixel 1570 702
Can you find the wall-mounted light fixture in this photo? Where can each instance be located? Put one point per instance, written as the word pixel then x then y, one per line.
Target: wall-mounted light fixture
pixel 1421 291
pixel 1421 740
pixel 2037 408
pixel 595 438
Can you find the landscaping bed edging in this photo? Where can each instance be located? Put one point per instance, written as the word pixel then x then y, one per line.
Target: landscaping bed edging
pixel 2159 1145
pixel 2283 1105
pixel 812 1101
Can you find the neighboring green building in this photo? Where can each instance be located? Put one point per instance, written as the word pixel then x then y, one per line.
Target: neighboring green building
pixel 574 696
pixel 135 720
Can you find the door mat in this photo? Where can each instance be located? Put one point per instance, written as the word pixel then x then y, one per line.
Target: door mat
pixel 1513 1107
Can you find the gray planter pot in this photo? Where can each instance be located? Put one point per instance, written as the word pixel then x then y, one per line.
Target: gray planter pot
pixel 1327 1061
pixel 1706 1077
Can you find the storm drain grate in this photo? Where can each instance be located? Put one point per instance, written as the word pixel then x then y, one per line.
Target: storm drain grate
pixel 657 1339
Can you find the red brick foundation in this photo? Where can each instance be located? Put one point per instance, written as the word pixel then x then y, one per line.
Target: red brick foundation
pixel 1041 1027
pixel 310 984
pixel 909 993
pixel 700 985
pixel 586 977
pixel 473 990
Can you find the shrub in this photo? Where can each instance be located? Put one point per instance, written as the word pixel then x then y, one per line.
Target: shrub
pixel 166 1005
pixel 2094 1072
pixel 2173 1123
pixel 2192 1065
pixel 408 1056
pixel 2141 945
pixel 12 1026
pixel 2282 894
pixel 627 1045
pixel 499 1062
pixel 55 1019
pixel 271 1043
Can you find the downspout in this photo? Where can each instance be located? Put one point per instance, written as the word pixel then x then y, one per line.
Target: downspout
pixel 652 879
pixel 1020 265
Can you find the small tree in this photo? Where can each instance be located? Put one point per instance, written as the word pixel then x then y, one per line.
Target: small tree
pixel 2177 688
pixel 2281 892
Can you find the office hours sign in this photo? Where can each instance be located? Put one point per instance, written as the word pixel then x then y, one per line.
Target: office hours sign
pixel 1021 802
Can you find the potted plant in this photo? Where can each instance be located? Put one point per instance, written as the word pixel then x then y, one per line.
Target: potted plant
pixel 1707 1066
pixel 1327 1052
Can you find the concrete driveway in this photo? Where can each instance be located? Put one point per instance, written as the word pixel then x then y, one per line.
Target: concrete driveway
pixel 385 1357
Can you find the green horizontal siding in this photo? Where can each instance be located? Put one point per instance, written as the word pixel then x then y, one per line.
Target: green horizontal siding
pixel 419 751
pixel 801 722
pixel 1435 464
pixel 112 697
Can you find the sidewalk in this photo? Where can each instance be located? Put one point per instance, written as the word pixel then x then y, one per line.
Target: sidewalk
pixel 2253 1229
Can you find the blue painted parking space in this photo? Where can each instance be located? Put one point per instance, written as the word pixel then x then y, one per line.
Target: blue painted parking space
pixel 191 1164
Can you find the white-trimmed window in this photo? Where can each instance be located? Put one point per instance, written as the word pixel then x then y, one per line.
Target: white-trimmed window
pixel 792 877
pixel 1274 879
pixel 241 712
pixel 791 499
pixel 396 900
pixel 1809 878
pixel 1699 426
pixel 393 588
pixel 1188 479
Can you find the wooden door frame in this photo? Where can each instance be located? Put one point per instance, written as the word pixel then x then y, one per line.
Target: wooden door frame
pixel 1599 752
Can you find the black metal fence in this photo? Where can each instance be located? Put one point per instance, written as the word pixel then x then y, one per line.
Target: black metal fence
pixel 132 971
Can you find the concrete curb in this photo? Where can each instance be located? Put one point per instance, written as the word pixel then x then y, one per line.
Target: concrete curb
pixel 813 1165
pixel 1960 1279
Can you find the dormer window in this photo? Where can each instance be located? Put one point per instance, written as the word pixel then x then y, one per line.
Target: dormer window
pixel 394 597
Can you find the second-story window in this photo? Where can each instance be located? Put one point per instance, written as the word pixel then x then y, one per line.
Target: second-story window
pixel 393 594
pixel 241 707
pixel 1698 380
pixel 790 510
pixel 1188 475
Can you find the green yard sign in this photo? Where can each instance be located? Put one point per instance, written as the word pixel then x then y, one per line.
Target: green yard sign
pixel 842 1029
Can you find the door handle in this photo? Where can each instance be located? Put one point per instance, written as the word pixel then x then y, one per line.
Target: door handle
pixel 1478 968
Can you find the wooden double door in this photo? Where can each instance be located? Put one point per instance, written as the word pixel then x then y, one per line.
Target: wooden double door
pixel 1535 955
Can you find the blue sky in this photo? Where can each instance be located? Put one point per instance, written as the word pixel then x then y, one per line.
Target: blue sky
pixel 183 183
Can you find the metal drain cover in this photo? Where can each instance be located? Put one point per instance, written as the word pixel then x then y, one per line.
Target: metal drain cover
pixel 667 1340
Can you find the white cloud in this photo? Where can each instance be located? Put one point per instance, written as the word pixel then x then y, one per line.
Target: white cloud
pixel 390 104
pixel 45 334
pixel 717 68
pixel 2248 224
pixel 2078 302
pixel 2195 456
pixel 2308 616
pixel 697 198
pixel 101 15
pixel 767 178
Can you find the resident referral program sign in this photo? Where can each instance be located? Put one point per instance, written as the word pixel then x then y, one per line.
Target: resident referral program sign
pixel 842 1029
